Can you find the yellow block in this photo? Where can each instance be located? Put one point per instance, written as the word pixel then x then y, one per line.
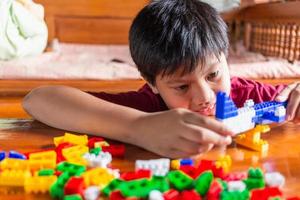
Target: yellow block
pixel 39 184
pixel 14 177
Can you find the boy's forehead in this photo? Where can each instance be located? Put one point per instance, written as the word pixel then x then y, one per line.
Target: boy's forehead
pixel 179 73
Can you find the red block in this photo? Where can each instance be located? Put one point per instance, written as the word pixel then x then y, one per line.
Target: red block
pixel 116 150
pixel 116 195
pixel 236 176
pixel 205 165
pixel 293 198
pixel 189 170
pixel 58 150
pixel 214 191
pixel 75 185
pixel 141 173
pixel 266 193
pixel 189 194
pixel 171 195
pixel 93 140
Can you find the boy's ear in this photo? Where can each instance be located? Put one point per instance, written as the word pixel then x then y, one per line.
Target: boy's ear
pixel 153 88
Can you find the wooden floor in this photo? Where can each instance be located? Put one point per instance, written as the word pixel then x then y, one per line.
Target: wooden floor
pixel 12 91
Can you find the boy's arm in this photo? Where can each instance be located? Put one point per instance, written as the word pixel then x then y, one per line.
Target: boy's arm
pixel 174 133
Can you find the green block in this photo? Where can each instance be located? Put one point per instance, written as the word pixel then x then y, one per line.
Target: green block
pixel 203 182
pixel 179 180
pixel 235 195
pixel 113 185
pixel 96 151
pixel 56 191
pixel 63 179
pixel 46 172
pixel 72 169
pixel 255 173
pixel 160 183
pixel 139 188
pixel 73 197
pixel 253 183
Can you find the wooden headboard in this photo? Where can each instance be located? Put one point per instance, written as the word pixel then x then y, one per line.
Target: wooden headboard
pixel 90 21
pixel 272 29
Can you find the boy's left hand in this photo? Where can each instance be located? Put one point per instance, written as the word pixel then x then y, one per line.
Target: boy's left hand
pixel 292 94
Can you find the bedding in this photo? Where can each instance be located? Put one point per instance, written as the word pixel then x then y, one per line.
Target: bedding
pixel 109 62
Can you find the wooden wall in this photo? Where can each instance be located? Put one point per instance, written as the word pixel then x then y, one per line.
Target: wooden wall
pixel 91 21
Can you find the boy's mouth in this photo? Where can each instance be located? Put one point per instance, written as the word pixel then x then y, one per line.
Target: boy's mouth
pixel 209 110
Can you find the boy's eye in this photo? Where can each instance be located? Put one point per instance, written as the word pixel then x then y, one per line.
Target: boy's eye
pixel 213 75
pixel 182 87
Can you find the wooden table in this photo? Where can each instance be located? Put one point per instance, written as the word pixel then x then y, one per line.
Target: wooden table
pixel 284 153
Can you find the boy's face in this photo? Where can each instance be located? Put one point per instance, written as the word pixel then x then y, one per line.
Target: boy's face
pixel 195 91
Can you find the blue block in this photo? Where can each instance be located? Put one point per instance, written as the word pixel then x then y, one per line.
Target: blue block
pixel 184 162
pixel 225 107
pixel 2 155
pixel 17 155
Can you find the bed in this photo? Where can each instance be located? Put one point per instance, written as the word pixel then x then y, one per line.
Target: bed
pixel 265 45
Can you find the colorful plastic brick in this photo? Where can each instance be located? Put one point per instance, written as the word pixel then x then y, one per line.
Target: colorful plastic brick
pixel 236 186
pixel 13 177
pixel 46 172
pixel 265 193
pixel 186 161
pixel 91 193
pixel 136 188
pixel 71 138
pixel 140 173
pixel 179 180
pixel 39 184
pixel 103 159
pixel 115 150
pixel 73 197
pixel 42 160
pixel 203 182
pixel 75 185
pixel 115 184
pixel 14 164
pixel 189 194
pixel 175 164
pixel 155 195
pixel 251 139
pixel 274 179
pixel 158 167
pixel 17 155
pixel 229 195
pixel 171 195
pixel 74 154
pixel 2 155
pixel 98 176
pixel 224 161
pixel 93 140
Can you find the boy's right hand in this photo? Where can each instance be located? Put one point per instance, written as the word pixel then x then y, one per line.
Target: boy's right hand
pixel 179 133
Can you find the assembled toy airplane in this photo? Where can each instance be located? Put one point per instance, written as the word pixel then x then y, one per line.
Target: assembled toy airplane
pixel 243 119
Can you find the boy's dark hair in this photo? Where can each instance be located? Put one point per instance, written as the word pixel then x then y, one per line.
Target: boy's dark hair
pixel 168 34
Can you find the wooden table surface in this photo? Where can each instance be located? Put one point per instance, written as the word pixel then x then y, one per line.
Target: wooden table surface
pixel 26 135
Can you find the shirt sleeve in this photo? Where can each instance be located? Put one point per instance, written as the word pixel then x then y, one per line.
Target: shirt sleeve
pixel 243 89
pixel 143 99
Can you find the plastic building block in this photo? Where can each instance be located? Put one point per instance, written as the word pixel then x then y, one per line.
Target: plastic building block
pixel 236 186
pixel 203 182
pixel 158 167
pixel 136 188
pixel 96 151
pixel 235 176
pixel 251 139
pixel 99 176
pixel 115 184
pixel 46 172
pixel 224 161
pixel 93 140
pixel 71 138
pixel 73 197
pixel 229 195
pixel 72 169
pixel 175 164
pixel 101 144
pixel 171 195
pixel 57 189
pixel 274 179
pixel 205 165
pixel 214 190
pixel 160 183
pixel 189 194
pixel 75 185
pixel 179 180
pixel 13 177
pixel 140 173
pixel 255 179
pixel 184 162
pixel 115 150
pixel 2 155
pixel 74 154
pixel 189 170
pixel 103 159
pixel 91 193
pixel 116 195
pixel 155 195
pixel 42 160
pixel 17 155
pixel 266 193
pixel 39 184
pixel 249 115
pixel 14 164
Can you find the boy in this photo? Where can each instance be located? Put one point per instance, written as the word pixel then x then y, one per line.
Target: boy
pixel 179 46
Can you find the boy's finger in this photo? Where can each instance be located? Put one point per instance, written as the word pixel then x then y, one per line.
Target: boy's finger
pixel 209 123
pixel 285 93
pixel 292 106
pixel 205 136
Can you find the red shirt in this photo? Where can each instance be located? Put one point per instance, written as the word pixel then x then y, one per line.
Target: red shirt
pixel 145 100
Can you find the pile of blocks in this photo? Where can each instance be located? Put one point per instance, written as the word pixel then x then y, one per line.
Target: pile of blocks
pixel 80 168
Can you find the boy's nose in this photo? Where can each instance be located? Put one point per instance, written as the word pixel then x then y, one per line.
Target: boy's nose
pixel 203 99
